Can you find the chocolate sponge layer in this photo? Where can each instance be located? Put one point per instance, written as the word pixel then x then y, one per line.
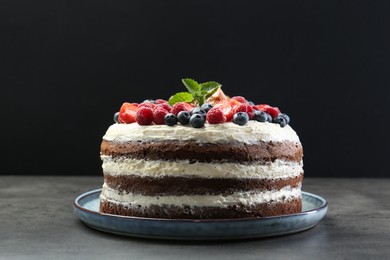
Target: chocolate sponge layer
pixel 199 152
pixel 186 212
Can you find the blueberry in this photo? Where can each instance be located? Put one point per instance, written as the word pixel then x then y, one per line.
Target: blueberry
pixel 149 101
pixel 184 117
pixel 206 107
pixel 251 103
pixel 269 117
pixel 170 119
pixel 280 120
pixel 116 116
pixel 285 117
pixel 240 118
pixel 198 110
pixel 260 116
pixel 197 120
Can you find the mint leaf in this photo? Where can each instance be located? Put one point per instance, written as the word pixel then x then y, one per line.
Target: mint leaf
pixel 180 97
pixel 209 86
pixel 192 86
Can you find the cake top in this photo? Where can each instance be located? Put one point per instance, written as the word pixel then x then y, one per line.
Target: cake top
pixel 204 105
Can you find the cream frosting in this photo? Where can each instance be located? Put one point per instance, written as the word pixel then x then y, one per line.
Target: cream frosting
pixel 253 132
pixel 245 198
pixel 159 168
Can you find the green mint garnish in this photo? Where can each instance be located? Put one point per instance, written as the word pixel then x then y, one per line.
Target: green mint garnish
pixel 196 91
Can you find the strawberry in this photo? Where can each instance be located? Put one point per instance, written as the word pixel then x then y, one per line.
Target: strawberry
pixel 144 116
pixel 158 115
pixel 215 116
pixel 148 104
pixel 226 109
pixel 127 113
pixel 161 101
pixel 240 99
pixel 234 103
pixel 165 106
pixel 245 107
pixel 180 106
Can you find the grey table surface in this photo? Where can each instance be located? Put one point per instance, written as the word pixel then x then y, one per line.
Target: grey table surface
pixel 37 222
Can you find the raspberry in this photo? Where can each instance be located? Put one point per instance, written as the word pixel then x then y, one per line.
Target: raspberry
pixel 165 106
pixel 273 111
pixel 240 99
pixel 127 113
pixel 148 104
pixel 144 116
pixel 158 115
pixel 226 109
pixel 215 116
pixel 181 106
pixel 245 107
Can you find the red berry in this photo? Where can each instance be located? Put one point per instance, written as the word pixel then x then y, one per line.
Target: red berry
pixel 165 106
pixel 181 106
pixel 273 111
pixel 148 104
pixel 226 109
pixel 158 115
pixel 144 116
pixel 240 99
pixel 161 101
pixel 215 116
pixel 127 113
pixel 245 107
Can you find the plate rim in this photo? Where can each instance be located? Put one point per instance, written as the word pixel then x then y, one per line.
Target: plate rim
pixel 76 205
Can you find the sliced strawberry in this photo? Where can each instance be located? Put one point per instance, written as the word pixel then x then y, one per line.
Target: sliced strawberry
pixel 215 116
pixel 181 106
pixel 217 97
pixel 127 113
pixel 240 99
pixel 234 103
pixel 245 107
pixel 226 109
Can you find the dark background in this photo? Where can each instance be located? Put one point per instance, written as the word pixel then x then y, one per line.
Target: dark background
pixel 67 66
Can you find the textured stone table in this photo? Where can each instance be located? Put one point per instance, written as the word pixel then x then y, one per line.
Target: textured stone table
pixel 37 221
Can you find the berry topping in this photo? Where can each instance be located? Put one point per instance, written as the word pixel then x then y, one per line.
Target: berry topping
pixel 240 118
pixel 116 116
pixel 149 101
pixel 198 110
pixel 165 106
pixel 184 117
pixel 240 99
pixel 197 120
pixel 285 117
pixel 251 103
pixel 148 104
pixel 245 107
pixel 261 116
pixel 206 107
pixel 181 106
pixel 144 116
pixel 269 117
pixel 170 119
pixel 161 101
pixel 226 109
pixel 280 120
pixel 127 113
pixel 273 111
pixel 215 116
pixel 159 115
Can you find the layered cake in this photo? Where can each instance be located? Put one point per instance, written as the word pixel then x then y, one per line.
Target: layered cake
pixel 205 157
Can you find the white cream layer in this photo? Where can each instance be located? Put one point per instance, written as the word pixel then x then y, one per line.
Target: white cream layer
pixel 244 198
pixel 253 132
pixel 158 168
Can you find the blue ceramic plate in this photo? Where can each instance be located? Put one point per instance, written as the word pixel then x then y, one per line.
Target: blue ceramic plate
pixel 86 207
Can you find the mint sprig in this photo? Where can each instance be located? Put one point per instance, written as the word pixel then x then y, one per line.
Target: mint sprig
pixel 198 92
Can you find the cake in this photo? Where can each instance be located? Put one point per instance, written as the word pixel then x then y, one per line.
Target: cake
pixel 212 157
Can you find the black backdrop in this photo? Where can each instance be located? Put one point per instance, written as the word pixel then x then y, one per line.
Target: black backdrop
pixel 66 67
